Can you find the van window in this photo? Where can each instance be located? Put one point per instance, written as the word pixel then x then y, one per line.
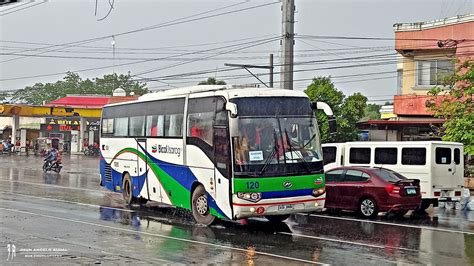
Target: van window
pixel 414 156
pixel 355 176
pixel 359 155
pixel 457 156
pixel 386 155
pixel 334 176
pixel 329 155
pixel 443 156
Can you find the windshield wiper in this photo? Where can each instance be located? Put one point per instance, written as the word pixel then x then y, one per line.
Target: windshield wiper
pixel 309 141
pixel 305 163
pixel 269 158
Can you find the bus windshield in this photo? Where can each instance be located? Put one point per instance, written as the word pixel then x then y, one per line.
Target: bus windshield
pixel 277 145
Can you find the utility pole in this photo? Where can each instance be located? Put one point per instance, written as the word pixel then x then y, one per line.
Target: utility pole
pixel 271 71
pixel 287 44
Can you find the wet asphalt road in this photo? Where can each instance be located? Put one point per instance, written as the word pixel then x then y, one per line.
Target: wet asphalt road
pixel 68 219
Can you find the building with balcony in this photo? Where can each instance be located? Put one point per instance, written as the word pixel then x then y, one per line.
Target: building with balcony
pixel 427 53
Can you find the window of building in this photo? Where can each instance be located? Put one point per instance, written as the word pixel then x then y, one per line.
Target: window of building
pixel 359 155
pixel 443 156
pixel 457 156
pixel 334 176
pixel 432 72
pixel 413 156
pixel 121 127
pixel 137 126
pixel 399 81
pixel 329 155
pixel 385 155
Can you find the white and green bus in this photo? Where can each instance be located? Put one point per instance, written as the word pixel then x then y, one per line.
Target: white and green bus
pixel 219 151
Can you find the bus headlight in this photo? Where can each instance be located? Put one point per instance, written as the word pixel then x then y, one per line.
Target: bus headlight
pixel 254 197
pixel 318 192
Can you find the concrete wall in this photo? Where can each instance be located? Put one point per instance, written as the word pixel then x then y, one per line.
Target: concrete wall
pixel 382 135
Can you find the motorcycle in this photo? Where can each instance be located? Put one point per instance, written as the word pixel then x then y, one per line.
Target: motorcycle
pixel 52 166
pixel 91 151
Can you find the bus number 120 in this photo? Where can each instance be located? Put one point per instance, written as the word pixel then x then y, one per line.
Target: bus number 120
pixel 253 185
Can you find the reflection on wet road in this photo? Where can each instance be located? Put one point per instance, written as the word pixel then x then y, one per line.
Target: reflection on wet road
pixel 67 218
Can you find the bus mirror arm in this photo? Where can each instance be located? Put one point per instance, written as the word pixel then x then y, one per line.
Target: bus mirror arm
pixel 232 108
pixel 328 111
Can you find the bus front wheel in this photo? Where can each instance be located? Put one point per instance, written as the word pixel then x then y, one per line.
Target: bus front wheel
pixel 200 206
pixel 127 191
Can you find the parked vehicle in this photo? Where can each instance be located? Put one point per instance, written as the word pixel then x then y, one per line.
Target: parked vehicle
pixel 371 190
pixel 439 165
pixel 91 151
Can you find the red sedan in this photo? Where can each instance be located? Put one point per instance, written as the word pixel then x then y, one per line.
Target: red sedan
pixel 371 190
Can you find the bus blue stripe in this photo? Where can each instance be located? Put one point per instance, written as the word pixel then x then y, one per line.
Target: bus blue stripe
pixel 286 193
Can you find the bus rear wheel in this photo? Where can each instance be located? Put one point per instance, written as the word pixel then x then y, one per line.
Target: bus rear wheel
pixel 127 191
pixel 200 206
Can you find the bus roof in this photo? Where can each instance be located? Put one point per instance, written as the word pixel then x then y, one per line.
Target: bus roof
pixel 230 91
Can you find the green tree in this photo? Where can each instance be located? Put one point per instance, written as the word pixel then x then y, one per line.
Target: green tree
pixel 72 83
pixel 453 102
pixel 347 110
pixel 212 81
pixel 372 112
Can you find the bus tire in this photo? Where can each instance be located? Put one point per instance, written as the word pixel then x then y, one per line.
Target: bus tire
pixel 200 206
pixel 127 191
pixel 277 218
pixel 368 208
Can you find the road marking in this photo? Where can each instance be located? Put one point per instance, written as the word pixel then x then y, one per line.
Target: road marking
pixel 67 201
pixel 348 242
pixel 49 185
pixel 163 236
pixel 392 224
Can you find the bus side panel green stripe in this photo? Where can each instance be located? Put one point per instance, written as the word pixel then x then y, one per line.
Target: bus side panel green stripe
pixel 180 196
pixel 268 184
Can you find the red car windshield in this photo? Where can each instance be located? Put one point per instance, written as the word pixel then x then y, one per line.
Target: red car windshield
pixel 389 176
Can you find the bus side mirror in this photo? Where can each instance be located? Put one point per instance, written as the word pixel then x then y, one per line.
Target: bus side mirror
pixel 328 111
pixel 232 108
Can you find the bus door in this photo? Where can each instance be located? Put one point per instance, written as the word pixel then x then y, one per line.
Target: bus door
pixel 222 170
pixel 142 169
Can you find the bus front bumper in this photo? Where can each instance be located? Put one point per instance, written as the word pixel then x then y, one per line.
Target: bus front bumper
pixel 245 209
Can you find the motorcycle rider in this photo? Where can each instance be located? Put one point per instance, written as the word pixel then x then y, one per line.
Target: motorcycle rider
pixel 52 156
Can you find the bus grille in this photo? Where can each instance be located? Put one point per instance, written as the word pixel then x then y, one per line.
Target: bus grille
pixel 108 173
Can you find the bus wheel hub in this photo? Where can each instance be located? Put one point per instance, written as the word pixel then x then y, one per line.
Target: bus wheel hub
pixel 201 205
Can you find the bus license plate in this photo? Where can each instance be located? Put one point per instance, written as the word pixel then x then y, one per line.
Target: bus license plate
pixel 411 191
pixel 285 207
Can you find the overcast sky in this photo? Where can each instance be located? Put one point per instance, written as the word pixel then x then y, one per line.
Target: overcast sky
pixel 206 44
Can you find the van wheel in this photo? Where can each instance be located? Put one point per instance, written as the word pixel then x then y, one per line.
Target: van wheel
pixel 401 213
pixel 200 206
pixel 368 208
pixel 277 218
pixel 425 204
pixel 127 190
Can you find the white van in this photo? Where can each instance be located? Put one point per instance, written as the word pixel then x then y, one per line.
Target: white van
pixel 439 165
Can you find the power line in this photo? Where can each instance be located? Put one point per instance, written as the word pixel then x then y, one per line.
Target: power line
pixel 14 11
pixel 161 25
pixel 15 6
